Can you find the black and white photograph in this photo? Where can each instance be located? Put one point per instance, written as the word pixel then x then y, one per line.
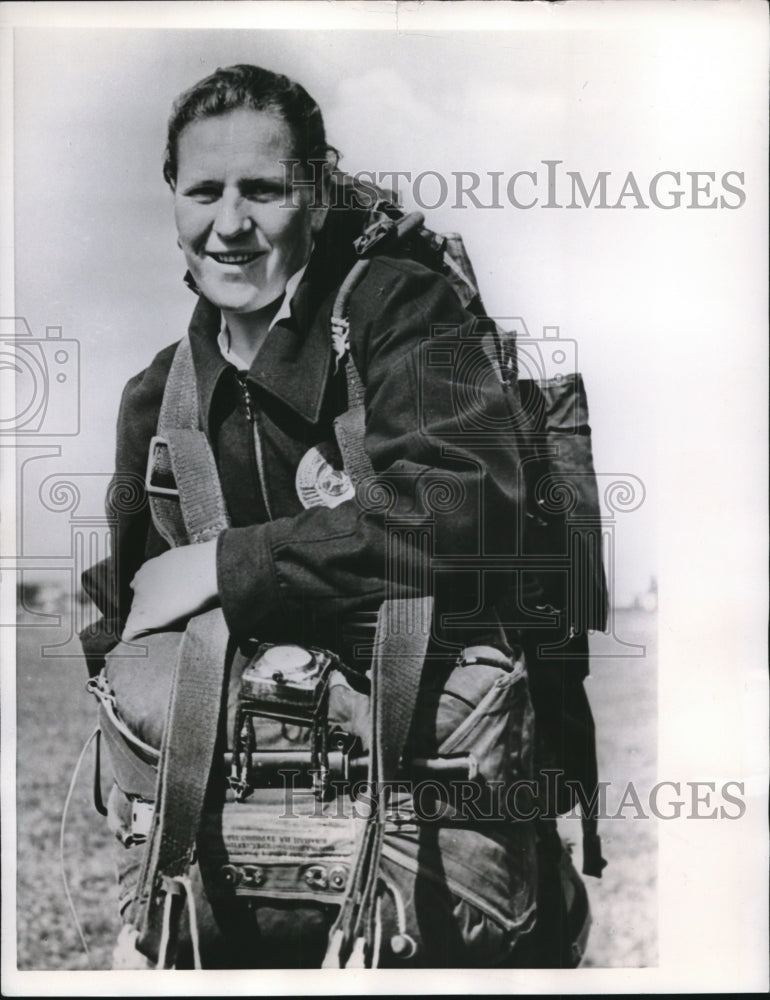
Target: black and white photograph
pixel 384 497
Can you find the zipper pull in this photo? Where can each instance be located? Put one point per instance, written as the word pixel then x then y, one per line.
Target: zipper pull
pixel 251 413
pixel 246 396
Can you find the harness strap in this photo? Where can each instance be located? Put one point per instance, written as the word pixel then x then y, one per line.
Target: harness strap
pixel 186 758
pixel 349 430
pixel 197 480
pixel 195 510
pixel 401 644
pixel 180 399
pixel 350 426
pixel 400 647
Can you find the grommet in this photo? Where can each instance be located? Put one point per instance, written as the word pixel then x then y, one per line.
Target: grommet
pixel 316 877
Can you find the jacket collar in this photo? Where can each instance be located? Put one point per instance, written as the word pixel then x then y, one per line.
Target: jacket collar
pixel 293 364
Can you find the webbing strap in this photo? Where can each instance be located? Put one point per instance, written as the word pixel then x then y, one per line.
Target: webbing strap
pixel 350 426
pixel 181 451
pixel 180 398
pixel 197 480
pixel 349 430
pixel 186 758
pixel 193 512
pixel 400 647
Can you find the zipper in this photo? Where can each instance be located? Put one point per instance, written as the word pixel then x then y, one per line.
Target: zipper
pixel 253 418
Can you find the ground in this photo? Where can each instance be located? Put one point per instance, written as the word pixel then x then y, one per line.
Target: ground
pixel 56 715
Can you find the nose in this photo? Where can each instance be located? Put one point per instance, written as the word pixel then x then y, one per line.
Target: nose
pixel 233 217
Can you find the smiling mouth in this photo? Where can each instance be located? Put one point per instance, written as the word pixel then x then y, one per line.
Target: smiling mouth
pixel 236 258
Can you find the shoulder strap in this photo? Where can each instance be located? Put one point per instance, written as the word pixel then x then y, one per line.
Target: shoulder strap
pixel 384 232
pixel 400 647
pixel 186 758
pixel 190 508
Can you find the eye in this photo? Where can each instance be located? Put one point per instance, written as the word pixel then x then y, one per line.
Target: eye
pixel 204 194
pixel 263 190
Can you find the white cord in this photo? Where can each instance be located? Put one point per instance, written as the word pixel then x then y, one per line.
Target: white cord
pixel 165 934
pixel 185 881
pixel 398 901
pixel 70 792
pixel 165 937
pixel 377 943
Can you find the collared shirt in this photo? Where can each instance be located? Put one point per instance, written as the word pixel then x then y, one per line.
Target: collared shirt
pixel 284 310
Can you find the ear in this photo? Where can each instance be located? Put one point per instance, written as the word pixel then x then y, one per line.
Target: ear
pixel 323 193
pixel 318 212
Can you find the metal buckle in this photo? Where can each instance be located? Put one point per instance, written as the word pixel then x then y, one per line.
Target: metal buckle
pixel 152 490
pixel 141 820
pixel 488 655
pixel 374 235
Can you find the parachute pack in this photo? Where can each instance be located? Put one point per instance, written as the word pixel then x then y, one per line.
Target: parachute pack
pixel 350 865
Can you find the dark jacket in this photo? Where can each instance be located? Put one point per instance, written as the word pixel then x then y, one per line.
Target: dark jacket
pixel 437 432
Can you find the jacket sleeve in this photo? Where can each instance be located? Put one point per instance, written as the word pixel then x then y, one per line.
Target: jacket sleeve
pixel 107 583
pixel 446 492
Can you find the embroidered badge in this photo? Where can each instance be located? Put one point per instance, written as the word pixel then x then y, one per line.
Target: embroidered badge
pixel 319 484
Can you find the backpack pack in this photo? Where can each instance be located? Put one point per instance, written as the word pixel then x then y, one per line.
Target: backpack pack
pixel 201 736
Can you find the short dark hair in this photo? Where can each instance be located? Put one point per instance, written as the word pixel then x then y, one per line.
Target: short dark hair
pixel 246 86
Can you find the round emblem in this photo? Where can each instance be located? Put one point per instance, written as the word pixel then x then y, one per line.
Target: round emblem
pixel 319 484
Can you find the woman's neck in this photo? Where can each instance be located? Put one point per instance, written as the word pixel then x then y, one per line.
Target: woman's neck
pixel 248 331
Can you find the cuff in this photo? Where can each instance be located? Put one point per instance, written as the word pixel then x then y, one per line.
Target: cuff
pixel 247 582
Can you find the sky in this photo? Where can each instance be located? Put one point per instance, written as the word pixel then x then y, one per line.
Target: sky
pixel 645 295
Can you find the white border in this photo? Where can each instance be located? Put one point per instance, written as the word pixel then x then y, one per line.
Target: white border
pixel 713 919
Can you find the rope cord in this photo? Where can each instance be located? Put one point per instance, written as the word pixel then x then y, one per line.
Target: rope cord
pixel 377 934
pixel 68 799
pixel 184 882
pixel 165 934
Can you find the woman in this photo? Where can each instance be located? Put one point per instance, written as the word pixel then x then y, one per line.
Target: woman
pixel 267 247
pixel 266 268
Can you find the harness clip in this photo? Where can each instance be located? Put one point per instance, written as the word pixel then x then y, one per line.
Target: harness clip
pixel 153 465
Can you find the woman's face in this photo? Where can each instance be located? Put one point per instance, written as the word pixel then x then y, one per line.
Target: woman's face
pixel 243 231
